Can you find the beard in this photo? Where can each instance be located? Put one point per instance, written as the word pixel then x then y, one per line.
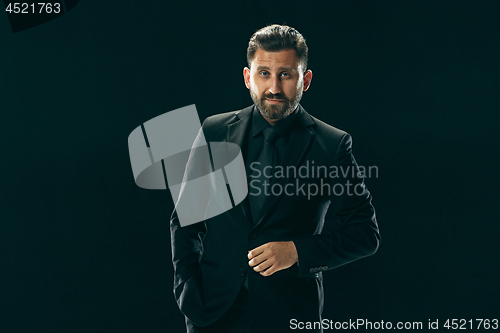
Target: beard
pixel 276 111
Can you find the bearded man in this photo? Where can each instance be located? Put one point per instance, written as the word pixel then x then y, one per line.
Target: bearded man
pixel 258 267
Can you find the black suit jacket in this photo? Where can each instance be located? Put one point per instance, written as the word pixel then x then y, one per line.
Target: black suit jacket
pixel 210 258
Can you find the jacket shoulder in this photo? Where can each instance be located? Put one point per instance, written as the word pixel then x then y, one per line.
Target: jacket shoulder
pixel 215 127
pixel 221 119
pixel 328 136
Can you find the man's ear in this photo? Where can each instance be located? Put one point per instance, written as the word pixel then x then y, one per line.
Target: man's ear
pixel 308 75
pixel 246 77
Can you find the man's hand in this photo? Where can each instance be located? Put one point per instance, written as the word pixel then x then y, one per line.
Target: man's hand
pixel 272 257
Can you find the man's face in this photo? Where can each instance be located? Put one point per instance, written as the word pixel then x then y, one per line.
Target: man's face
pixel 276 81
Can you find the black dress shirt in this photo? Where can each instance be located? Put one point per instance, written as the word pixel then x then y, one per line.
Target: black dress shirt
pixel 254 139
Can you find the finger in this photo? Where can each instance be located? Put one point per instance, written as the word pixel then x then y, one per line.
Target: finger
pixel 258 259
pixel 270 271
pixel 263 266
pixel 255 252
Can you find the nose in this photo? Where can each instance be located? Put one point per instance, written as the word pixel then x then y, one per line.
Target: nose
pixel 275 86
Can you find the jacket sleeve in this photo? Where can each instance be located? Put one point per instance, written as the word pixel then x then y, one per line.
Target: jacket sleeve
pixel 186 248
pixel 350 230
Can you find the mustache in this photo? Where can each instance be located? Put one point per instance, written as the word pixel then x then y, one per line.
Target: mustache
pixel 274 96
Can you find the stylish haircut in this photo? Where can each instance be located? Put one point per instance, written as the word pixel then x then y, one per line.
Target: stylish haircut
pixel 274 38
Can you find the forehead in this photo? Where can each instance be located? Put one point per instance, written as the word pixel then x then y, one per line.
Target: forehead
pixel 285 58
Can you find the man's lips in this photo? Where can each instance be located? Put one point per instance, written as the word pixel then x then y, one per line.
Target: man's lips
pixel 273 100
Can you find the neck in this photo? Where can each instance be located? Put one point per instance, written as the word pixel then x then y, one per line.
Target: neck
pixel 275 121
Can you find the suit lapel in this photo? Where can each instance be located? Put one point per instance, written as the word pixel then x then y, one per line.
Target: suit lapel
pixel 236 131
pixel 299 144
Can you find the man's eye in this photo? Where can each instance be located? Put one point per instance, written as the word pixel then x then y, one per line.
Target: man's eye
pixel 264 73
pixel 284 74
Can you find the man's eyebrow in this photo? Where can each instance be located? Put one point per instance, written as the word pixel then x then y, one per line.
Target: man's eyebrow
pixel 262 67
pixel 282 68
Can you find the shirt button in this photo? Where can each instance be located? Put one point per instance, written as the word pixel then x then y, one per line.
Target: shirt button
pixel 253 235
pixel 241 272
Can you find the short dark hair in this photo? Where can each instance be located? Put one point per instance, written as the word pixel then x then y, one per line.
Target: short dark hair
pixel 274 38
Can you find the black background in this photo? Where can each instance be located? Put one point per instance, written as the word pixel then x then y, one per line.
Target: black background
pixel 83 249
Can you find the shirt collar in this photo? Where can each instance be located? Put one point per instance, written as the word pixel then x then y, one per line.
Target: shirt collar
pixel 283 128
